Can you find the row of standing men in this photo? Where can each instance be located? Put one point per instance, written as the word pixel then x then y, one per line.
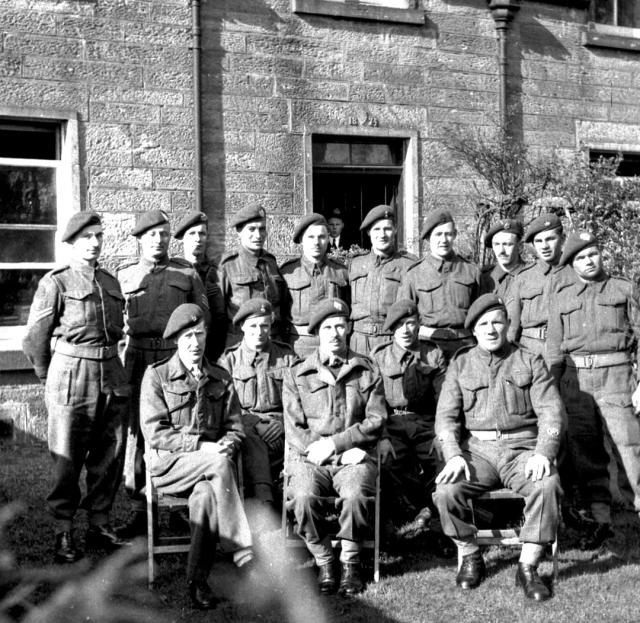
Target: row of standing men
pixel 586 334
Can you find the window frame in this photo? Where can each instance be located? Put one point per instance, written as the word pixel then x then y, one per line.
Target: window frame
pixel 68 201
pixel 409 222
pixel 360 9
pixel 610 35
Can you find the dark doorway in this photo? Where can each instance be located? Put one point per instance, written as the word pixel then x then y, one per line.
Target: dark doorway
pixel 355 174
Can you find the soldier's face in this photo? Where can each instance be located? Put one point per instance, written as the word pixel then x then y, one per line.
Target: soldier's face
pixel 191 343
pixel 195 240
pixel 87 244
pixel 257 332
pixel 253 235
pixel 383 235
pixel 505 248
pixel 491 330
pixel 588 263
pixel 441 240
pixel 406 332
pixel 314 242
pixel 548 246
pixel 154 243
pixel 336 225
pixel 333 335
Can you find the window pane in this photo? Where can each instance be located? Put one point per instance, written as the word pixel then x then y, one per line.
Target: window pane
pixel 29 140
pixel 27 195
pixel 604 11
pixel 629 13
pixel 629 165
pixel 18 288
pixel 27 245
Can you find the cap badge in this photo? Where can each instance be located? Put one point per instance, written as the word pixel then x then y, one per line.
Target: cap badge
pixel 547 223
pixel 263 309
pixel 194 318
pixel 164 214
pixel 337 306
pixel 585 236
pixel 261 212
pixel 506 225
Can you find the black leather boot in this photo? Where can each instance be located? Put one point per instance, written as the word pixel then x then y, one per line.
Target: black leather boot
pixel 472 571
pixel 326 579
pixel 350 582
pixel 66 551
pixel 201 595
pixel 534 588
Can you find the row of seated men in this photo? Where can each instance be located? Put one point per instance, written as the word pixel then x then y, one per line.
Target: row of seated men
pixel 92 396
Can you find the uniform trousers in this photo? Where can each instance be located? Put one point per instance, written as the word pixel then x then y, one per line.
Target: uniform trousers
pixel 309 487
pixel 364 343
pixel 599 400
pixel 136 361
pixel 216 512
pixel 85 427
pixel 259 459
pixel 415 467
pixel 494 464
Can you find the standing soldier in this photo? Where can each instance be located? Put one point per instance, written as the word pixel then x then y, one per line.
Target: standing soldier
pixel 443 285
pixel 72 341
pixel 334 413
pixel 250 272
pixel 594 332
pixel 499 422
pixel 375 278
pixel 412 371
pixel 503 238
pixel 310 279
pixel 257 365
pixel 153 287
pixel 192 230
pixel 529 298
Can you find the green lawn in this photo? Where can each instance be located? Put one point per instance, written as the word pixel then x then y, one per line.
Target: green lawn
pixel 415 586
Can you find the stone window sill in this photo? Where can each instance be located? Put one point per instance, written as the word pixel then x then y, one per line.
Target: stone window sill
pixel 617 37
pixel 11 355
pixel 356 10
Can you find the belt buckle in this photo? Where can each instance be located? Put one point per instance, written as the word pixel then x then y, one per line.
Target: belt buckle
pixel 589 361
pixel 498 434
pixel 374 329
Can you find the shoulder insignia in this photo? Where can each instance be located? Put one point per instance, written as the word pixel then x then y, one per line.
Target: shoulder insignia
pixel 290 263
pixel 59 269
pixel 157 364
pixel 229 255
pixel 415 264
pixel 381 347
pixel 462 350
pixel 126 264
pixel 231 348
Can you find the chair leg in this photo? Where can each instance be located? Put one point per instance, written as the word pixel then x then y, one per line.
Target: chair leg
pixel 554 557
pixel 376 528
pixel 151 514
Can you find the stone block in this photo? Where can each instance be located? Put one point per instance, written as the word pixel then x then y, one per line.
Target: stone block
pixel 113 94
pixel 238 161
pixel 124 113
pixel 10 65
pixel 279 151
pixel 468 43
pixel 129 200
pixel 182 201
pixel 297 47
pixel 124 10
pixel 176 14
pixel 273 203
pixel 168 77
pixel 392 74
pixel 166 157
pixel 237 140
pixel 109 145
pixel 374 93
pixel 257 64
pixel 243 84
pixel 26 43
pixel 149 33
pixel 88 29
pixel 333 70
pixel 258 181
pixel 120 177
pixel 118 241
pixel 312 89
pixel 138 53
pixel 174 179
pixel 81 71
pixel 176 115
pixel 15 19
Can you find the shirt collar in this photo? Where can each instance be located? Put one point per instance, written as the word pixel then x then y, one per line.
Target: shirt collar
pixel 153 264
pixel 249 257
pixel 309 266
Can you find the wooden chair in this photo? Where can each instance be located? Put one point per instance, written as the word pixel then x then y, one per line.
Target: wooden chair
pixel 508 536
pixel 158 543
pixel 291 539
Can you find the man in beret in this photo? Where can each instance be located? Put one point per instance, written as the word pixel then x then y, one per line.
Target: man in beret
pixel 443 285
pixel 334 413
pixel 153 286
pixel 257 366
pixel 190 417
pixel 375 279
pixel 75 323
pixel 529 297
pixel 250 271
pixel 338 239
pixel 499 421
pixel 310 278
pixel 594 332
pixel 503 238
pixel 192 230
pixel 412 371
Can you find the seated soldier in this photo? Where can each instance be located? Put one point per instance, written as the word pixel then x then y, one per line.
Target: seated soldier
pixel 412 371
pixel 257 365
pixel 334 412
pixel 190 417
pixel 499 420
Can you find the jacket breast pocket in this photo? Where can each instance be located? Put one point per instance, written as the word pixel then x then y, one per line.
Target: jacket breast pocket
pixel 179 289
pixel 244 381
pixel 612 312
pixel 179 402
pixel 517 398
pixel 530 296
pixel 336 287
pixel 246 286
pixel 114 306
pixel 215 404
pixel 572 317
pixel 359 295
pixel 79 308
pixel 462 290
pixel 300 291
pixel 472 393
pixel 430 298
pixel 134 301
pixel 390 285
pixel 274 386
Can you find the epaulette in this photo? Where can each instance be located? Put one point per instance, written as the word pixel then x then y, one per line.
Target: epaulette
pixel 180 261
pixel 157 364
pixel 621 278
pixel 266 254
pixel 526 267
pixel 287 262
pixel 335 264
pixel 221 373
pixel 408 255
pixel 59 269
pixel 106 272
pixel 462 350
pixel 416 263
pixel 231 348
pixel 126 264
pixel 229 255
pixel 382 346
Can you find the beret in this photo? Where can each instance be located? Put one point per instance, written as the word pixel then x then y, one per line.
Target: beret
pixel 78 222
pixel 148 220
pixel 481 305
pixel 335 213
pixel 251 308
pixel 435 218
pixel 250 213
pixel 402 308
pixel 311 219
pixel 510 225
pixel 576 241
pixel 376 214
pixel 191 219
pixel 184 316
pixel 326 309
pixel 544 222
